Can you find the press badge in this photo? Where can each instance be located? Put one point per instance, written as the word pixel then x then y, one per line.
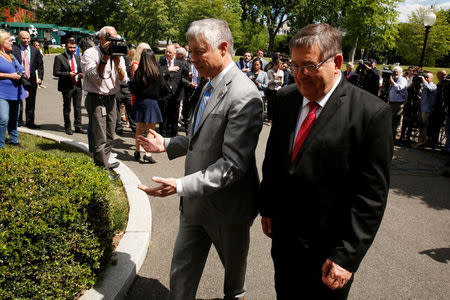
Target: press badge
pixel 103 111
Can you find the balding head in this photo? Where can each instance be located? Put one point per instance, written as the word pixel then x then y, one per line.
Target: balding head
pixel 170 52
pixel 24 37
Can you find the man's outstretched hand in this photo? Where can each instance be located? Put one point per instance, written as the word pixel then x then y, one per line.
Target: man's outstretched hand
pixel 153 145
pixel 167 187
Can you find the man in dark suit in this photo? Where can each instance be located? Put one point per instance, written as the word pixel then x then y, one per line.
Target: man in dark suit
pixel 331 147
pixel 31 60
pixel 175 75
pixel 67 67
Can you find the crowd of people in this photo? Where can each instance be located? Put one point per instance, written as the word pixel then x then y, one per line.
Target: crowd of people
pixel 331 138
pixel 420 108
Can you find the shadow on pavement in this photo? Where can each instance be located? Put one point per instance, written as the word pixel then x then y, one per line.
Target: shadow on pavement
pixel 416 173
pixel 148 289
pixel 441 255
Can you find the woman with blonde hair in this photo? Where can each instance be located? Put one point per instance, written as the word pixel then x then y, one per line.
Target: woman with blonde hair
pixel 137 56
pixel 11 91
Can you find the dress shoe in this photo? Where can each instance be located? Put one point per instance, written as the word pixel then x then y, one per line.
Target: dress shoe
pixel 148 159
pixel 80 130
pixel 119 132
pixel 114 165
pixel 14 144
pixel 113 176
pixel 33 126
pixel 69 131
pixel 137 155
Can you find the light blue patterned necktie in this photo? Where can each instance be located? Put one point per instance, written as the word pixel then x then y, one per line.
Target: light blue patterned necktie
pixel 202 106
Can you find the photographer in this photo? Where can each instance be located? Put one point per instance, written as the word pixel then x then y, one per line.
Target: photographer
pixel 104 72
pixel 372 77
pixel 439 111
pixel 427 105
pixel 396 98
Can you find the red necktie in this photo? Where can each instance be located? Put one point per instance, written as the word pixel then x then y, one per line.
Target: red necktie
pixel 26 63
pixel 74 79
pixel 305 128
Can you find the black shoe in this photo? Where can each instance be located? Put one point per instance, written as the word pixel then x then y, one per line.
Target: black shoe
pixel 14 144
pixel 80 130
pixel 137 155
pixel 33 126
pixel 114 165
pixel 19 124
pixel 149 159
pixel 69 131
pixel 119 132
pixel 113 176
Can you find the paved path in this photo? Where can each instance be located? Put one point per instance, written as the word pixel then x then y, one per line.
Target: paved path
pixel 409 258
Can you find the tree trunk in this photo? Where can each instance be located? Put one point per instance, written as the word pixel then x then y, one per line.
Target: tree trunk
pixel 353 52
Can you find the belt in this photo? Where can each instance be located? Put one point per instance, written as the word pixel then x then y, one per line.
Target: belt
pixel 101 96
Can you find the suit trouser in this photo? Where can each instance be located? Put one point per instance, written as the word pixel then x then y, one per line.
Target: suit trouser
pixel 102 125
pixel 170 111
pixel 191 251
pixel 298 267
pixel 397 110
pixel 124 96
pixel 424 123
pixel 30 105
pixel 69 96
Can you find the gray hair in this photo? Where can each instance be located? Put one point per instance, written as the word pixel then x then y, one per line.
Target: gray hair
pixel 102 31
pixel 398 68
pixel 213 31
pixel 4 35
pixel 350 64
pixel 328 38
pixel 181 50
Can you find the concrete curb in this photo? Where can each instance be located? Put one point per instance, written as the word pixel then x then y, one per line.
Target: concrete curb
pixel 132 249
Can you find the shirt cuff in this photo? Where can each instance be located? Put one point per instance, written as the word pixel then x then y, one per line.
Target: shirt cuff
pixel 179 187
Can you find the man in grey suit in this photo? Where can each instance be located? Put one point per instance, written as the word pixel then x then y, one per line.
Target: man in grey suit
pixel 218 192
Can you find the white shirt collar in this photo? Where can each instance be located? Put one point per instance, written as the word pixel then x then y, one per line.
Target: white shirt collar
pixel 325 99
pixel 215 82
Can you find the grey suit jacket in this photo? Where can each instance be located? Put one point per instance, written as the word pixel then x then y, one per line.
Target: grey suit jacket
pixel 221 179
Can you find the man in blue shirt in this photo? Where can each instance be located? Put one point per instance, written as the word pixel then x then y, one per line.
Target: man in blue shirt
pixel 397 95
pixel 427 103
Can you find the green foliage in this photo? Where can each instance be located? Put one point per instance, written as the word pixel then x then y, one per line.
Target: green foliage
pixel 412 35
pixel 254 37
pixel 55 224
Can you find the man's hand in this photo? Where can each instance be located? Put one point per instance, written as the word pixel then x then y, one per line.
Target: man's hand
pixel 174 68
pixel 267 226
pixel 168 187
pixel 153 145
pixel 334 276
pixel 73 74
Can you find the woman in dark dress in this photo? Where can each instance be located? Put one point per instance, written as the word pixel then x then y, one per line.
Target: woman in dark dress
pixel 146 86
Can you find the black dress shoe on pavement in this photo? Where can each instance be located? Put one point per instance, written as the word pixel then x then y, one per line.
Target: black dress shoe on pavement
pixel 114 165
pixel 137 155
pixel 69 131
pixel 80 130
pixel 148 159
pixel 33 126
pixel 113 176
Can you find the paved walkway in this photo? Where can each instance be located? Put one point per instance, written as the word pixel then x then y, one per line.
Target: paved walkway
pixel 409 258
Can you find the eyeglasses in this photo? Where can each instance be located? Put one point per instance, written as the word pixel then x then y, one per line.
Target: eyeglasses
pixel 311 68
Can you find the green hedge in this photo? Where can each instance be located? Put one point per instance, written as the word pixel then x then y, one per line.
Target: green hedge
pixel 55 224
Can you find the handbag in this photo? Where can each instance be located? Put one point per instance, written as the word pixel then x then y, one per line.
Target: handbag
pixel 24 81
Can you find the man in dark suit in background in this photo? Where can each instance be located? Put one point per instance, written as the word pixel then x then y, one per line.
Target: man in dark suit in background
pixel 331 147
pixel 67 67
pixel 31 60
pixel 175 75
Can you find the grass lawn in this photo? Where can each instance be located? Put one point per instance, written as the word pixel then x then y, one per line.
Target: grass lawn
pixel 36 144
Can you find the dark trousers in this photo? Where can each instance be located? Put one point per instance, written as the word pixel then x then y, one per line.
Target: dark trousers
pixel 397 111
pixel 270 95
pixel 434 128
pixel 72 96
pixel 102 125
pixel 298 267
pixel 124 97
pixel 169 110
pixel 30 105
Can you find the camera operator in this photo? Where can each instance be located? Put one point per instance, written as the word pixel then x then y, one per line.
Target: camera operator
pixel 396 98
pixel 104 72
pixel 438 117
pixel 372 77
pixel 427 105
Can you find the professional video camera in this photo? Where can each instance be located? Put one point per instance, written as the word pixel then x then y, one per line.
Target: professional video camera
pixel 386 74
pixel 118 46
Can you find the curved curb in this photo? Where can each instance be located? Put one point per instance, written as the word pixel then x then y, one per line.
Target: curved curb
pixel 132 249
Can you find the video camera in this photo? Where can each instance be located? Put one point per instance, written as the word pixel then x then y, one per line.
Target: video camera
pixel 118 46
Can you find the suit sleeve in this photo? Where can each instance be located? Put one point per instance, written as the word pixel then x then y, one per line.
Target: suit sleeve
pixel 238 148
pixel 40 65
pixel 58 69
pixel 371 187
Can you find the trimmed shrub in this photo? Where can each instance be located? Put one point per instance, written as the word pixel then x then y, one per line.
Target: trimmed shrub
pixel 55 224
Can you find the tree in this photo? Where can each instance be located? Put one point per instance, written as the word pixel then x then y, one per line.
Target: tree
pixel 370 25
pixel 412 34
